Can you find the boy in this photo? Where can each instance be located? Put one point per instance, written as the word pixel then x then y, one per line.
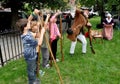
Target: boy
pixel 29 44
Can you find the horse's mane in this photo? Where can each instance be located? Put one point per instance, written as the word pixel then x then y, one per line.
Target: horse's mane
pixel 78 24
pixel 79 18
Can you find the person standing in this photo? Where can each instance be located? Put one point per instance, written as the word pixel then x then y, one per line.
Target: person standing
pixel 29 44
pixel 45 51
pixel 108 27
pixel 81 37
pixel 35 16
pixel 54 33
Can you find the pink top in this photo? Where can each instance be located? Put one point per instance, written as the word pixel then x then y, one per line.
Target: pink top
pixel 54 31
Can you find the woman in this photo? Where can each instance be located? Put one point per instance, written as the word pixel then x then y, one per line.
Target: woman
pixel 108 27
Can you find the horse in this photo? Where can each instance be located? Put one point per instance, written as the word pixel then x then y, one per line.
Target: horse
pixel 79 23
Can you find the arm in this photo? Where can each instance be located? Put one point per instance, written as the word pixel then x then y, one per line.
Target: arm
pixel 35 12
pixel 104 22
pixel 54 16
pixel 43 31
pixel 46 21
pixel 58 32
pixel 41 36
pixel 30 18
pixel 112 22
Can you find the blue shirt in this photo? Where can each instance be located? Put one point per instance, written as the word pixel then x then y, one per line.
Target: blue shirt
pixel 29 45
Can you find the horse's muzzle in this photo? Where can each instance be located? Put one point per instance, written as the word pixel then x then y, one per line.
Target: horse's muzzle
pixel 69 31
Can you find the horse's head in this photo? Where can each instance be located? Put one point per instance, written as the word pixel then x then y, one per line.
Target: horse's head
pixel 79 22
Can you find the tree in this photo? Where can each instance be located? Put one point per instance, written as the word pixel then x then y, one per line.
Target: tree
pixel 16 5
pixel 102 5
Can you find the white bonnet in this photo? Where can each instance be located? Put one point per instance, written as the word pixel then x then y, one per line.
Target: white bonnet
pixel 109 15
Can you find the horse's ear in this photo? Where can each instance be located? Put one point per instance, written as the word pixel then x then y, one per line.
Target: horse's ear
pixel 77 11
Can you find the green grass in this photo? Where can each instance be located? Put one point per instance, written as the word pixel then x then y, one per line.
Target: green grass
pixel 100 68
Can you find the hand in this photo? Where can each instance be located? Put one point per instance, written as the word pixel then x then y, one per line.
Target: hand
pixel 36 11
pixel 61 38
pixel 48 15
pixel 59 12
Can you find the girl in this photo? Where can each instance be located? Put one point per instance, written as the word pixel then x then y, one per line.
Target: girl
pixel 54 33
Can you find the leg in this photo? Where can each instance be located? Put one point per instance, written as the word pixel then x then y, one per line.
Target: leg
pixel 45 56
pixel 69 24
pixel 72 48
pixel 54 47
pixel 84 42
pixel 31 69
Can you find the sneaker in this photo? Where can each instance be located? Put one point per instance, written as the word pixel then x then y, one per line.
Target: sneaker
pixel 41 73
pixel 57 60
pixel 37 81
pixel 47 66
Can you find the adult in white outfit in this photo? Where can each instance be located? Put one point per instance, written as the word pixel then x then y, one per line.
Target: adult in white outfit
pixel 80 37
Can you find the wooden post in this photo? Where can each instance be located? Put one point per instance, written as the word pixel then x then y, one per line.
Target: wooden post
pixel 57 68
pixel 61 40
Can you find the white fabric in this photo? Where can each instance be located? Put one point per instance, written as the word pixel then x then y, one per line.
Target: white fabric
pixel 109 15
pixel 109 20
pixel 72 48
pixel 82 38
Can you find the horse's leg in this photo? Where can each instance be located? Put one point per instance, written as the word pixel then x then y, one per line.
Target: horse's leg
pixel 90 39
pixel 93 38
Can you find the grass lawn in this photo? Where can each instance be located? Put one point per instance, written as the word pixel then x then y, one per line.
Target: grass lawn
pixel 100 68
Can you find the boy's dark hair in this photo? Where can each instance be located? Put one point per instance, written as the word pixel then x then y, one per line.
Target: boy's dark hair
pixel 21 23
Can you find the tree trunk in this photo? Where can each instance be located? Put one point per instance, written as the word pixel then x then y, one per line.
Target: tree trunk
pixel 100 6
pixel 14 17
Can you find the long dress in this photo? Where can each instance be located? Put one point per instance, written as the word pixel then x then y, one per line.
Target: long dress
pixel 108 28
